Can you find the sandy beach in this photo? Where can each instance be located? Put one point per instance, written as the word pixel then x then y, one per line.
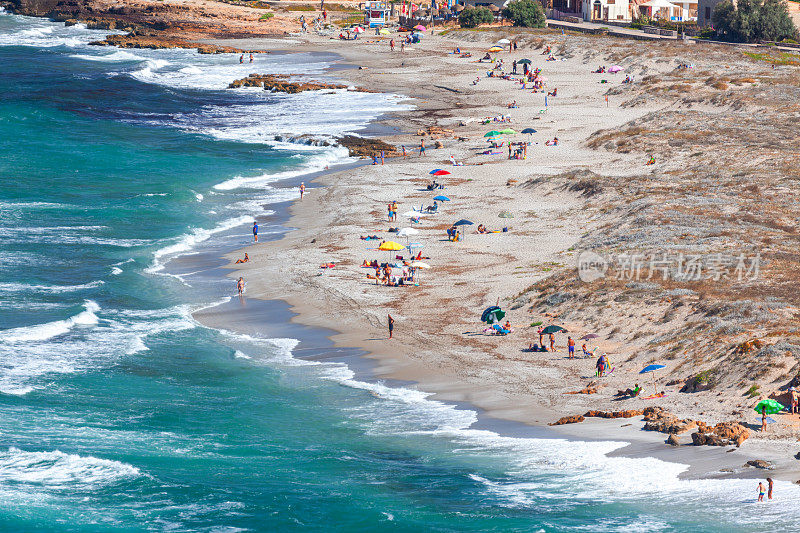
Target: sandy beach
pixel 439 342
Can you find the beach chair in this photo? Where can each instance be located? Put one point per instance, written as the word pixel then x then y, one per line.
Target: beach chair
pixel 499 329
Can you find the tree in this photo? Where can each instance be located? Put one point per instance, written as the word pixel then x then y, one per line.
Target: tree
pixel 752 21
pixel 473 17
pixel 525 13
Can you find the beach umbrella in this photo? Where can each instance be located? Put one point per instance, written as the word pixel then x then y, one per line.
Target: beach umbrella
pixel 492 314
pixel 441 198
pixel 463 222
pixel 493 133
pixel 528 130
pixel 405 232
pixel 391 246
pixel 358 29
pixel 771 407
pixel 439 172
pixel 589 336
pixel 419 27
pixel 524 61
pixel 496 49
pixel 652 369
pixel 384 31
pixel 508 131
pixel 420 264
pixel 413 245
pixel 503 41
pixel 615 68
pixel 552 329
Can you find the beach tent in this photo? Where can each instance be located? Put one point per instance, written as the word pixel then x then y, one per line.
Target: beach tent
pixel 492 314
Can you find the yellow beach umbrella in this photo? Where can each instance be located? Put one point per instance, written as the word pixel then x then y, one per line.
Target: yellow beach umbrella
pixel 496 49
pixel 391 246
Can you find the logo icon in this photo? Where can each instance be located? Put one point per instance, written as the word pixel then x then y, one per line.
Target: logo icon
pixel 591 266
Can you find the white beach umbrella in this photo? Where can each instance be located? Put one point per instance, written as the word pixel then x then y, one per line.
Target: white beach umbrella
pixel 503 41
pixel 420 264
pixel 406 232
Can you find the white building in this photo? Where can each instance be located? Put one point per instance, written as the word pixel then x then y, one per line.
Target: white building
pixel 376 13
pixel 606 10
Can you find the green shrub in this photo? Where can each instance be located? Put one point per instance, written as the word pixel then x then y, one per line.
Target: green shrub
pixel 473 17
pixel 752 392
pixel 751 21
pixel 266 16
pixel 525 13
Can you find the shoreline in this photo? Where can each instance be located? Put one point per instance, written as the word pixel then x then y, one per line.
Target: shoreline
pixel 496 415
pixel 465 391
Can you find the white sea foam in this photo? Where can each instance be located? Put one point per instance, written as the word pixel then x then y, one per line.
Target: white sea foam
pixel 116 271
pixel 311 164
pixel 188 241
pixel 119 55
pixel 55 470
pixel 48 330
pixel 23 287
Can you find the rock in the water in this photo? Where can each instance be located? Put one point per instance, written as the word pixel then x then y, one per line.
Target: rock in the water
pixel 672 440
pixel 280 83
pixel 759 463
pixel 628 413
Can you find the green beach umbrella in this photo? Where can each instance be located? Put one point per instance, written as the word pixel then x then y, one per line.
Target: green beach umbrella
pixel 492 315
pixel 524 61
pixel 771 407
pixel 508 131
pixel 493 133
pixel 552 329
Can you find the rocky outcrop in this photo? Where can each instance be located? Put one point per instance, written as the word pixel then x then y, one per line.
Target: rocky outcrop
pixel 362 147
pixel 156 42
pixel 672 440
pixel 658 419
pixel 280 83
pixel 574 419
pixel 628 413
pixel 722 434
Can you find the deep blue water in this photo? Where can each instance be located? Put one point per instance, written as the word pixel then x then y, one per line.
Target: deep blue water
pixel 120 412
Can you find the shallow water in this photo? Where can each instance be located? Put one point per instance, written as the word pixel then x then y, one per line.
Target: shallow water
pixel 124 172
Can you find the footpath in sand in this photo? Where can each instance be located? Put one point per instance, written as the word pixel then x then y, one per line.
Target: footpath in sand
pixel 563 199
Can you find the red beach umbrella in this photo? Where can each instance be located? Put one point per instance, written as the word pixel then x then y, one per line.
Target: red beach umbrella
pixel 439 172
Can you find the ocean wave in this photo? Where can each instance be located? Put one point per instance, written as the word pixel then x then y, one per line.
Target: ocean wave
pixel 57 470
pixel 48 330
pixel 188 241
pixel 311 164
pixel 23 287
pixel 119 55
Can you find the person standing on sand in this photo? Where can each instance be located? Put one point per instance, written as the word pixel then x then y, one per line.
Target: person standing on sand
pixel 571 347
pixel 793 408
pixel 541 335
pixel 552 343
pixel 761 492
pixel 302 189
pixel 255 231
pixel 391 45
pixel 391 326
pixel 383 154
pixel 422 147
pixel 405 154
pixel 764 418
pixel 402 47
pixel 769 488
pixel 240 286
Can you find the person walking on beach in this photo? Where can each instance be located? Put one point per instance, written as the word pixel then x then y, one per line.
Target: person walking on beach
pixel 422 147
pixel 761 491
pixel 402 47
pixel 571 347
pixel 391 326
pixel 240 286
pixel 255 231
pixel 405 154
pixel 391 45
pixel 552 342
pixel 383 154
pixel 394 211
pixel 302 189
pixel 764 418
pixel 769 488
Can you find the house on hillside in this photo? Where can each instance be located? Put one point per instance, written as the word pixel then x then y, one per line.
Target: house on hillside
pixel 704 10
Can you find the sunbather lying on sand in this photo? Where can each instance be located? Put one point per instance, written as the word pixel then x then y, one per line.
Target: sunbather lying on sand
pixel 245 260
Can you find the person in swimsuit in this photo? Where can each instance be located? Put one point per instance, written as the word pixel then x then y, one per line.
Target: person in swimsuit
pixel 552 343
pixel 761 491
pixel 302 189
pixel 391 326
pixel 601 365
pixel 240 286
pixel 245 260
pixel 422 147
pixel 255 231
pixel 541 343
pixel 241 59
pixel 769 488
pixel 571 347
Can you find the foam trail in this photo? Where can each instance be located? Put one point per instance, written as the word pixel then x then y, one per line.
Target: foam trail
pixel 58 470
pixel 48 330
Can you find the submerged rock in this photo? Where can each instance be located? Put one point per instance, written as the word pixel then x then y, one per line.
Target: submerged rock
pixel 281 83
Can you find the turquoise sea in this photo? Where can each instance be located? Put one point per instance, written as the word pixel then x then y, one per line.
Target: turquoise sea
pixel 124 175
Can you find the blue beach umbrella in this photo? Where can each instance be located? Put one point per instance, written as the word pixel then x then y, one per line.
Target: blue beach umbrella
pixel 528 130
pixel 441 198
pixel 652 369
